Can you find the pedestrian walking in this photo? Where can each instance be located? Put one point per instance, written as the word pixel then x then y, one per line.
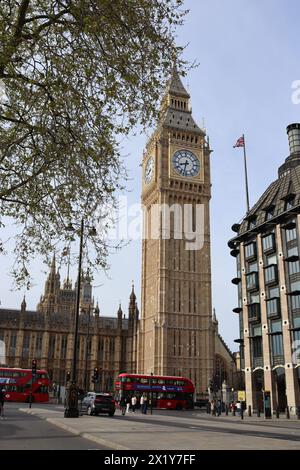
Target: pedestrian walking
pixel 213 408
pixel 2 398
pixel 128 402
pixel 123 405
pixel 239 408
pixel 133 403
pixel 219 408
pixel 142 403
pixel 145 404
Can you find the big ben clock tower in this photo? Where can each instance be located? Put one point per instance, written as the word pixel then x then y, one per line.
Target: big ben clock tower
pixel 176 327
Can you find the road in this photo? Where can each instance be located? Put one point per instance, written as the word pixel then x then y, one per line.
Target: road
pixel 20 431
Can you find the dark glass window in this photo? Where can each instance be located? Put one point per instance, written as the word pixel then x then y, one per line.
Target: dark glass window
pixel 63 350
pixel 295 286
pixel 268 242
pixel 252 223
pixel 51 350
pixel 13 341
pixel 269 213
pixel 252 281
pixel 294 267
pixel 277 345
pixel 272 259
pixel 254 312
pixel 38 342
pixel 257 347
pixel 273 307
pixel 292 251
pixel 252 267
pixel 273 292
pixel 291 234
pixel 250 250
pixel 276 326
pixel 254 298
pixel 271 274
pixel 289 204
pixel 295 301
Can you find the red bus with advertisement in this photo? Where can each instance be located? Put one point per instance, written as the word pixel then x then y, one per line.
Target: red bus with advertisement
pixel 18 384
pixel 166 392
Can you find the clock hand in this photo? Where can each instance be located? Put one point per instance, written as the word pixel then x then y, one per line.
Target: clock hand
pixel 185 165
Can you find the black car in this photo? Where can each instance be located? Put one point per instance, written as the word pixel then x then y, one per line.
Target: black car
pixel 95 403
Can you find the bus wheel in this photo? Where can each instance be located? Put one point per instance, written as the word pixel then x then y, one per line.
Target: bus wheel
pixel 178 407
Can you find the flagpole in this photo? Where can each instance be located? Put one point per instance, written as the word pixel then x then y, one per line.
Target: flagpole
pixel 246 175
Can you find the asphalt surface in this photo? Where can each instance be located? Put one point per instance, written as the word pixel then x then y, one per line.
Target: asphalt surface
pixel 20 431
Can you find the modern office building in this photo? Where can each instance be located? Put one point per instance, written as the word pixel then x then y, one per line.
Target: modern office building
pixel 266 247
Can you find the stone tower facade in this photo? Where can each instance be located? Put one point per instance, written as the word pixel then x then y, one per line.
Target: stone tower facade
pixel 176 327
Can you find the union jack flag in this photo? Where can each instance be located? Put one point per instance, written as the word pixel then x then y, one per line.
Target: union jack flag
pixel 240 142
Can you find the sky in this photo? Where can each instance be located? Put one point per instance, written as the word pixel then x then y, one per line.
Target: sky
pixel 248 54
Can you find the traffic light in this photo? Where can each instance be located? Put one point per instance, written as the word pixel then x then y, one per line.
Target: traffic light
pixel 68 376
pixel 33 369
pixel 95 376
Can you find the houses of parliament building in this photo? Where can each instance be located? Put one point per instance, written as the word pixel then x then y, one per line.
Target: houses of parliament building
pixel 176 332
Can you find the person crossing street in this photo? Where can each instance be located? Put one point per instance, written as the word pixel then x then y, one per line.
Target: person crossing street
pixel 2 399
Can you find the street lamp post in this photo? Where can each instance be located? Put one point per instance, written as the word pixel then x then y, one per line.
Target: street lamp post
pixel 72 409
pixel 87 350
pixel 74 368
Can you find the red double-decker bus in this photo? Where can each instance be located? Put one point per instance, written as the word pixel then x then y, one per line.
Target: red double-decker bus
pixel 18 385
pixel 166 392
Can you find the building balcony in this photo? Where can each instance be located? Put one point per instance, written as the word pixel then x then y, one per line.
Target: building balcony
pixel 254 314
pixel 235 252
pixel 236 228
pixel 237 310
pixel 231 244
pixel 239 341
pixel 292 259
pixel 289 225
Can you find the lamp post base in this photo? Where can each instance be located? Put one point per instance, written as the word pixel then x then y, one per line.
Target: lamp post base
pixel 71 413
pixel 72 409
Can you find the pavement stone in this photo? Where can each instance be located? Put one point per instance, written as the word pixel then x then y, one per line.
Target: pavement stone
pixel 178 432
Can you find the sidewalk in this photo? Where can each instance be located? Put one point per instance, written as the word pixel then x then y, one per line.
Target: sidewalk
pixel 83 427
pixel 177 432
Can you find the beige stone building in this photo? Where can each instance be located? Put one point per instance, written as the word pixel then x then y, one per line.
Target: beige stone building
pixel 266 247
pixel 177 333
pixel 47 335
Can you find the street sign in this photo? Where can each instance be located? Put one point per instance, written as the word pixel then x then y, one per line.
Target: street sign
pixel 241 395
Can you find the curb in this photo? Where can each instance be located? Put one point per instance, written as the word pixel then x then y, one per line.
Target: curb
pixel 85 435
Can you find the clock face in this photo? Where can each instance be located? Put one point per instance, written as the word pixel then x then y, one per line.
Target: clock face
pixel 149 170
pixel 186 163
